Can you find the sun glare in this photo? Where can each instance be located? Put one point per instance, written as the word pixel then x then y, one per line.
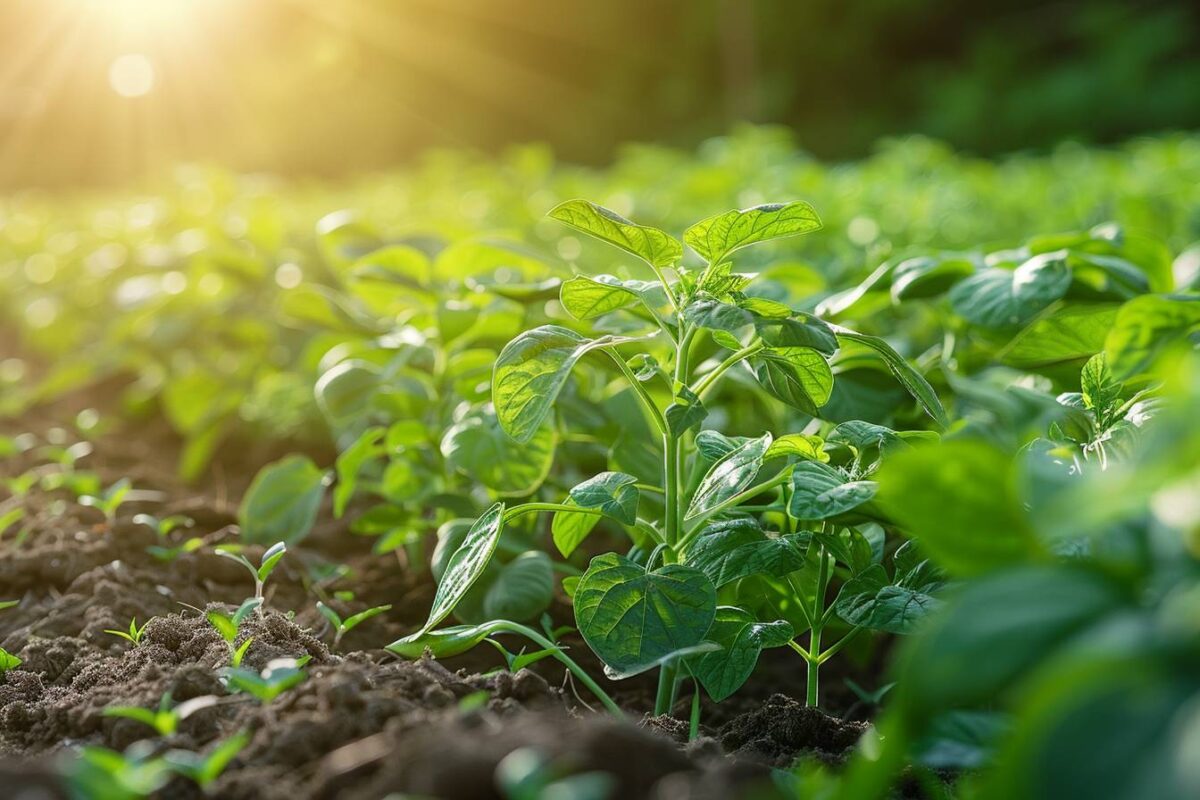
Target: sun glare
pixel 131 75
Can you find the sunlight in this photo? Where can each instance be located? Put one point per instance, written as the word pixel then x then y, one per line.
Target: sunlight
pixel 131 75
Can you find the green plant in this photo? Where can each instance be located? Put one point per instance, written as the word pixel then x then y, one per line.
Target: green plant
pixel 266 565
pixel 9 604
pixel 109 500
pixel 8 661
pixel 276 678
pixel 229 625
pixel 343 626
pixel 134 634
pixel 204 769
pixel 166 718
pixel 100 773
pixel 657 607
pixel 282 501
pixel 164 551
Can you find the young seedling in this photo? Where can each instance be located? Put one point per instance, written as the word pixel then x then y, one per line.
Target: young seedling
pixel 8 661
pixel 275 679
pixel 103 773
pixel 108 501
pixel 8 604
pixel 707 531
pixel 166 718
pixel 164 551
pixel 268 562
pixel 202 769
pixel 342 627
pixel 134 634
pixel 228 626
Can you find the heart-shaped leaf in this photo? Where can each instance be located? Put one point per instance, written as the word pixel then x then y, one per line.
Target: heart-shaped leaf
pixel 632 618
pixel 819 491
pixel 871 600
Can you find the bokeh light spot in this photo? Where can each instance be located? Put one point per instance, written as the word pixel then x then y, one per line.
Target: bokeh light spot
pixel 131 75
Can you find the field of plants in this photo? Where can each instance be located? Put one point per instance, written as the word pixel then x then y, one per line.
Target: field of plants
pixel 713 473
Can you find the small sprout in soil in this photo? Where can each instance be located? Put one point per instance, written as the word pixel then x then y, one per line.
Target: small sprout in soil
pixel 166 718
pixel 100 772
pixel 164 551
pixel 134 634
pixel 342 627
pixel 108 501
pixel 204 769
pixel 228 626
pixel 8 661
pixel 10 518
pixel 474 701
pixel 278 676
pixel 270 559
pixel 8 604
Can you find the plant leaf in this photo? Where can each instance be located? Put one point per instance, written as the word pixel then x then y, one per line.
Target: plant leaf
pixel 718 236
pixel 798 376
pixel 532 370
pixel 611 493
pixel 281 504
pixel 715 315
pixel 871 600
pixel 587 297
pixel 479 448
pixel 653 246
pixel 350 463
pixel 632 618
pixel 742 639
pixel 909 378
pixel 819 491
pixel 522 590
pixel 466 564
pixel 1002 298
pixel 730 550
pixel 729 476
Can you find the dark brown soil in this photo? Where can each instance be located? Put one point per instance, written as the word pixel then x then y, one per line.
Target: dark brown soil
pixel 363 724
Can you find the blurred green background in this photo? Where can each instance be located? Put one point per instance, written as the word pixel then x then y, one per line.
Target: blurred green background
pixel 103 92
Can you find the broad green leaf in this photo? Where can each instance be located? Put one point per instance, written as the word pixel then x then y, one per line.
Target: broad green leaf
pixel 715 445
pixel 588 297
pixel 522 590
pixel 960 501
pixel 1145 326
pixel 742 639
pixel 477 447
pixel 904 372
pixel 871 600
pixel 998 628
pixel 632 618
pixel 926 276
pixel 345 391
pixel 730 550
pixel 766 308
pixel 1071 333
pixel 350 463
pixel 720 235
pixel 282 501
pixel 798 376
pixel 673 657
pixel 802 330
pixel 399 265
pixel 466 564
pixel 612 493
pixel 1002 298
pixel 715 315
pixel 653 246
pixel 819 491
pixel 729 476
pixel 798 445
pixel 685 413
pixel 532 370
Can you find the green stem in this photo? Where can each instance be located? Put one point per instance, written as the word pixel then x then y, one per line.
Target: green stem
pixel 737 499
pixel 645 487
pixel 694 727
pixel 666 690
pixel 640 391
pixel 839 644
pixel 705 384
pixel 814 641
pixel 557 653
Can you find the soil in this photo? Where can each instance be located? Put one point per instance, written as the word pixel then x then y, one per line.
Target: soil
pixel 364 724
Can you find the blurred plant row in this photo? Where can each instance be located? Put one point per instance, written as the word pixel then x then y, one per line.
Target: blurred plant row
pixel 960 406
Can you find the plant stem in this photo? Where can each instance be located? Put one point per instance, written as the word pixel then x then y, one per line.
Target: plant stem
pixel 818 623
pixel 666 690
pixel 640 391
pixel 557 653
pixel 694 727
pixel 705 384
